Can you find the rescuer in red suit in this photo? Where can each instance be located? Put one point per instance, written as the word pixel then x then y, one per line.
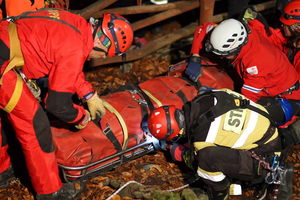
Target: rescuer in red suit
pixel 290 20
pixel 55 44
pixel 258 56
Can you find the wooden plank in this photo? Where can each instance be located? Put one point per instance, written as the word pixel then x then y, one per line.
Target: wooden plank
pixel 150 47
pixel 158 43
pixel 259 7
pixel 206 11
pixel 140 9
pixel 188 5
pixel 91 9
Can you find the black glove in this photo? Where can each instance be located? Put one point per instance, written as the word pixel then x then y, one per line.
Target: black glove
pixel 193 70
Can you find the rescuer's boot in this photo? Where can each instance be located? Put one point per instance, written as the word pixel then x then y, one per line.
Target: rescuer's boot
pixel 69 191
pixel 6 177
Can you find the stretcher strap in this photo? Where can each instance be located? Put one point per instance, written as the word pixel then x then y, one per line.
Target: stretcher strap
pixel 121 120
pixel 147 99
pixel 111 136
pixel 16 59
pixel 15 96
pixel 181 95
pixel 159 104
pixel 108 132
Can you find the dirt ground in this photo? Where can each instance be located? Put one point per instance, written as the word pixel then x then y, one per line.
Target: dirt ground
pixel 156 170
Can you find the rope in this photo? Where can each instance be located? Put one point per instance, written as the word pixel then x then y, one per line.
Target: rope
pixel 129 182
pixel 179 188
pixel 121 188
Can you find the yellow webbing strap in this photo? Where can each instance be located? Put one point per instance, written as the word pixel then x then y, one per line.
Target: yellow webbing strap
pixel 121 120
pixel 16 56
pixel 14 99
pixel 16 59
pixel 153 98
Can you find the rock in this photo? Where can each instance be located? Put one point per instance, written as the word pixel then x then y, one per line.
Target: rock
pixel 164 195
pixel 115 183
pixel 130 190
pixel 188 194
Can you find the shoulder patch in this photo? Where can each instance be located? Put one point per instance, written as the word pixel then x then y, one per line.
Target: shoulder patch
pixel 252 70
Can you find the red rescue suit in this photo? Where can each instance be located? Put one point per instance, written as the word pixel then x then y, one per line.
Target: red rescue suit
pixel 265 69
pixel 56 43
pixel 261 63
pixel 32 129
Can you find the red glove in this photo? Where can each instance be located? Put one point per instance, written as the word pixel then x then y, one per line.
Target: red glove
pixel 176 151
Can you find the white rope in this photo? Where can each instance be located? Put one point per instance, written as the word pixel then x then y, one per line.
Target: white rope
pixel 179 188
pixel 129 182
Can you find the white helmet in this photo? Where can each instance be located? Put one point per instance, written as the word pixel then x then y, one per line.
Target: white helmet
pixel 227 38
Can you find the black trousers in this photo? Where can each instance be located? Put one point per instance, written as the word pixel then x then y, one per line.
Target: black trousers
pixel 4 53
pixel 235 164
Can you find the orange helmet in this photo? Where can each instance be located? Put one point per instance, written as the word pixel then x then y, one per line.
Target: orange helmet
pixel 119 32
pixel 166 123
pixel 291 13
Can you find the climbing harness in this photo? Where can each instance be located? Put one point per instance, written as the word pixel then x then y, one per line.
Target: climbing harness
pixel 276 172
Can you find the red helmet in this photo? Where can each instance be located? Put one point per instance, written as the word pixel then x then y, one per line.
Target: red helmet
pixel 291 13
pixel 166 122
pixel 119 32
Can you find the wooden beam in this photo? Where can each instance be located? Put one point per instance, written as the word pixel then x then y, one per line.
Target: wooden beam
pixel 158 43
pixel 91 9
pixel 259 7
pixel 188 5
pixel 150 47
pixel 206 11
pixel 140 9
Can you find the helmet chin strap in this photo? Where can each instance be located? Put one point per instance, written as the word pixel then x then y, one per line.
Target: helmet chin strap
pixel 99 49
pixel 96 25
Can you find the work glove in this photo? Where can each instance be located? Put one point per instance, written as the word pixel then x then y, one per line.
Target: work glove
pixel 182 153
pixel 249 14
pixel 189 158
pixel 83 123
pixel 176 151
pixel 95 105
pixel 193 70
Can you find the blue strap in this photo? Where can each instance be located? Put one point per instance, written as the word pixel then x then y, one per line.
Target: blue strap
pixel 288 110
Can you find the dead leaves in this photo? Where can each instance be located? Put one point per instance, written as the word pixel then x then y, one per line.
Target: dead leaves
pixel 112 78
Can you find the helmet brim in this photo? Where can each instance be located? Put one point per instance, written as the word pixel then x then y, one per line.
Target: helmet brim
pixel 287 22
